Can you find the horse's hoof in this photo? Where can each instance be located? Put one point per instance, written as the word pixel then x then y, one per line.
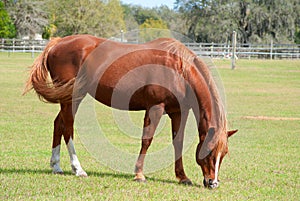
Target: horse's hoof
pixel 139 180
pixel 186 182
pixel 139 177
pixel 58 172
pixel 81 173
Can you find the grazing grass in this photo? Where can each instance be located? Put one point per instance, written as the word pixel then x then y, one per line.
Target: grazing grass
pixel 263 164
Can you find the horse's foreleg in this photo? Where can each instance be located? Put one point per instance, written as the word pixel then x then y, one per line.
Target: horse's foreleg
pixel 68 133
pixel 151 120
pixel 178 124
pixel 57 134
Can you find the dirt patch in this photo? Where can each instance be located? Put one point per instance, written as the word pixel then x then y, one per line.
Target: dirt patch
pixel 272 118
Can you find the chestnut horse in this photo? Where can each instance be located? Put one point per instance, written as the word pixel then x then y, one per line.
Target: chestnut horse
pixel 167 78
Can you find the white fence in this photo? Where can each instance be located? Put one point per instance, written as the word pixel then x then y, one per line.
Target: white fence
pixel 214 50
pixel 269 51
pixel 17 45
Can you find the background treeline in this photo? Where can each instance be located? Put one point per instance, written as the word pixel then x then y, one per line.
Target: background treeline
pixel 255 21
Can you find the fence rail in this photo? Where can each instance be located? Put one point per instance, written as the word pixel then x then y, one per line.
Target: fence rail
pixel 269 51
pixel 214 50
pixel 17 45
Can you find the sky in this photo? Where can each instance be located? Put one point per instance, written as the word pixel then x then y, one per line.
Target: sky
pixel 151 3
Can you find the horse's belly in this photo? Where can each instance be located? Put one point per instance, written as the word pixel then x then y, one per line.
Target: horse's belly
pixel 127 98
pixel 119 99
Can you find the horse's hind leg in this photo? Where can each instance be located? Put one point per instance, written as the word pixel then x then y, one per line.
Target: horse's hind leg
pixel 178 124
pixel 151 120
pixel 55 158
pixel 68 121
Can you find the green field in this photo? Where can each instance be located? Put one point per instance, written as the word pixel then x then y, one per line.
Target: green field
pixel 263 102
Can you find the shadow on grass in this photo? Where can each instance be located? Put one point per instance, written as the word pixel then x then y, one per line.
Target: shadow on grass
pixel 23 171
pixel 128 177
pixel 131 176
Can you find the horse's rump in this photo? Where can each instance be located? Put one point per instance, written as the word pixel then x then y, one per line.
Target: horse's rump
pixel 61 58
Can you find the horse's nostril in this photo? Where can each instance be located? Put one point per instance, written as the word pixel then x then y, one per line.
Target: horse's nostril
pixel 210 181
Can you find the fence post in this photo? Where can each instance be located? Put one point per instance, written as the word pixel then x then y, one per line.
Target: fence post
pixel 32 52
pixel 212 50
pixel 233 50
pixel 122 36
pixel 13 45
pixel 271 50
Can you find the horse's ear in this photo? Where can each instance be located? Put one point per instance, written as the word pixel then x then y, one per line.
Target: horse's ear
pixel 230 133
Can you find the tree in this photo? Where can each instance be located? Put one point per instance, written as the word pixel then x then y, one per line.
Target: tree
pixel 142 14
pixel 274 20
pixel 173 19
pixel 87 17
pixel 130 21
pixel 7 28
pixel 152 23
pixel 297 37
pixel 29 17
pixel 114 21
pixel 254 20
pixel 193 11
pixel 152 29
pixel 135 16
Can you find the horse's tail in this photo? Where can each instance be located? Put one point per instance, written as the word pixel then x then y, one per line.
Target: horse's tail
pixel 39 79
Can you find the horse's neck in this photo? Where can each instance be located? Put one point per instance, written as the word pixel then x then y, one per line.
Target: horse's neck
pixel 218 118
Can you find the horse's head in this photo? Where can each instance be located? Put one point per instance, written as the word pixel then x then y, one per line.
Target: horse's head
pixel 210 153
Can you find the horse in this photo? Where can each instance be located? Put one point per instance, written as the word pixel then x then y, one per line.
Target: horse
pixel 165 78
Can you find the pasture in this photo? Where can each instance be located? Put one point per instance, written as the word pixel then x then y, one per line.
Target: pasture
pixel 263 102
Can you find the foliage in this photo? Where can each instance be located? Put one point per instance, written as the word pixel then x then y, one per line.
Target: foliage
pixel 87 17
pixel 7 28
pixel 152 23
pixel 142 14
pixel 173 19
pixel 136 16
pixel 130 21
pixel 297 36
pixel 114 17
pixel 29 17
pixel 49 31
pixel 152 29
pixel 255 21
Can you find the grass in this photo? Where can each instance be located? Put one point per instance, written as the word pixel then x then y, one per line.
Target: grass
pixel 263 163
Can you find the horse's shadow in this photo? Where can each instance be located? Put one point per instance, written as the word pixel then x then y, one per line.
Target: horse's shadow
pixel 126 176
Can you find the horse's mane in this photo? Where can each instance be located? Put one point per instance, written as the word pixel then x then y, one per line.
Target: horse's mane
pixel 175 47
pixel 191 59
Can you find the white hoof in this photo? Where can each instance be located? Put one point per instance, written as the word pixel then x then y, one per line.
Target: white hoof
pixel 81 173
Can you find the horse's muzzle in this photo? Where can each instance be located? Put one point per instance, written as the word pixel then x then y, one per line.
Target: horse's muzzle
pixel 211 184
